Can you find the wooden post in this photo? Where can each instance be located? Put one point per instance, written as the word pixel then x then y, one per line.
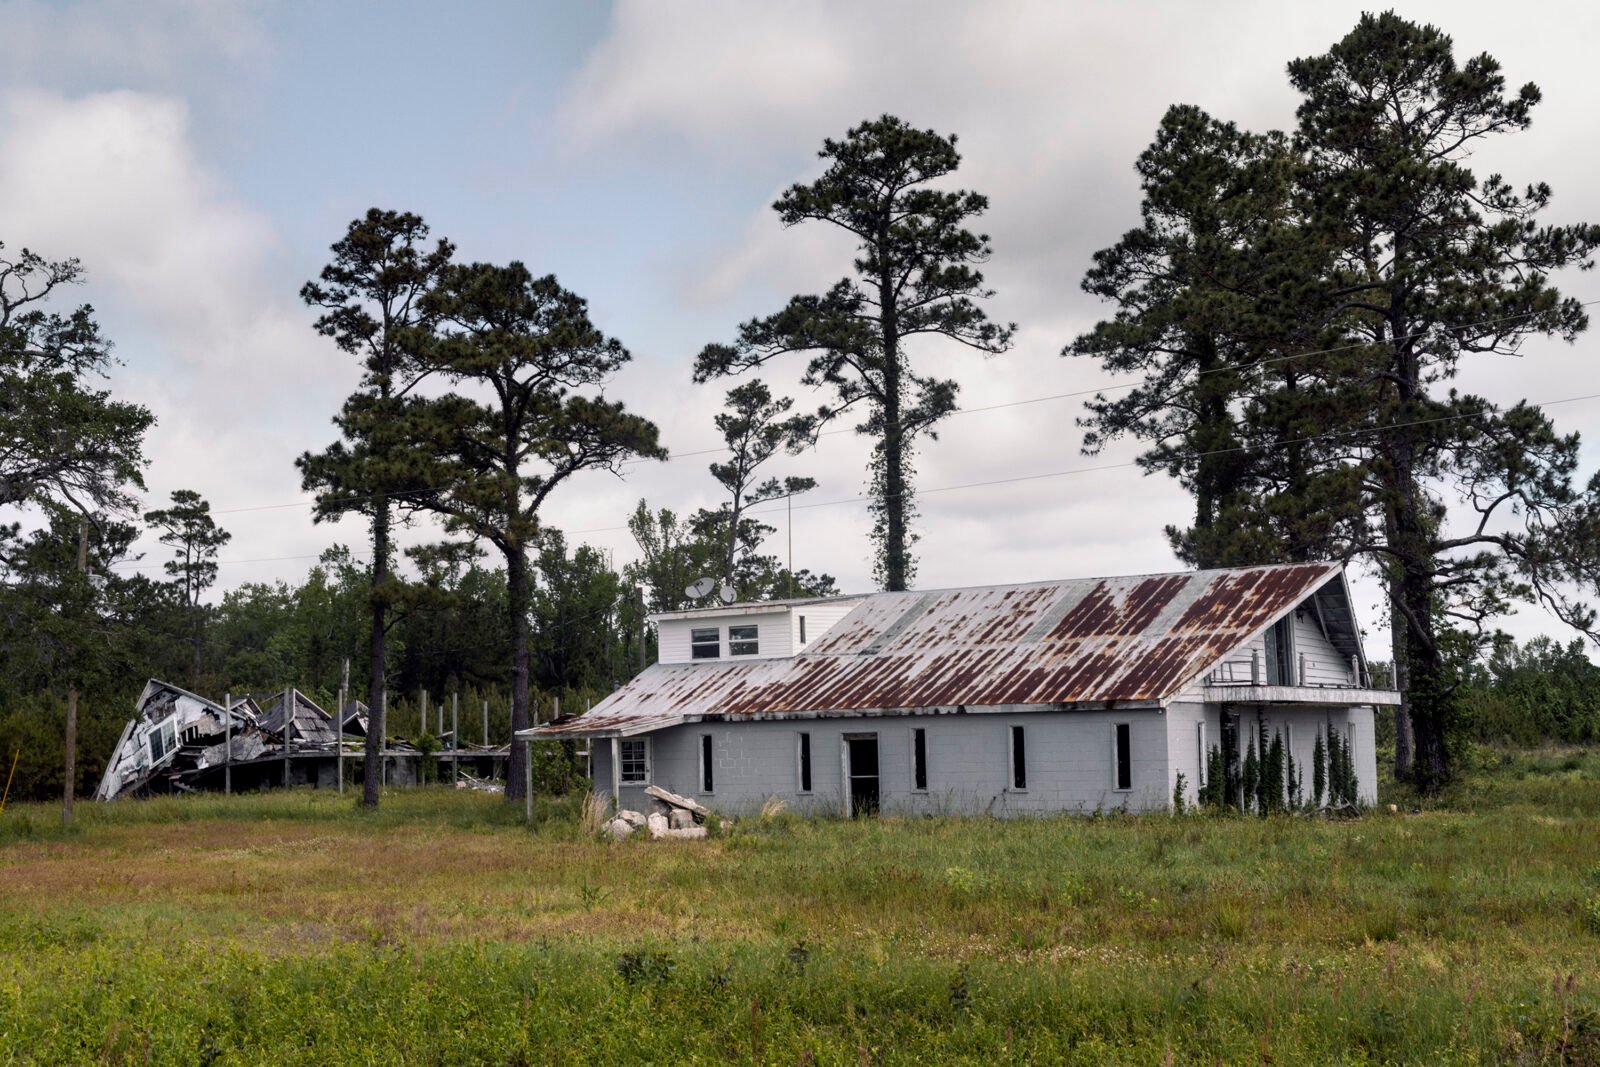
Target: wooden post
pixel 455 735
pixel 424 713
pixel 227 742
pixel 527 796
pixel 485 724
pixel 383 744
pixel 616 772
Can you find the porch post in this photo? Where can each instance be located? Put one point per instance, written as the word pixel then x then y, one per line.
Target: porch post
pixel 616 772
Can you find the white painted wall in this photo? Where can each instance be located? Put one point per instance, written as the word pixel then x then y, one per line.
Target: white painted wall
pixel 1300 724
pixel 1069 763
pixel 778 628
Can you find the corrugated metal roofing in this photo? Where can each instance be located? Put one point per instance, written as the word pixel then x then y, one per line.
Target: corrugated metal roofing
pixel 1085 641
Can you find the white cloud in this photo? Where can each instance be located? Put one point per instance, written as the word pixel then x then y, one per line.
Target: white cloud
pixel 184 281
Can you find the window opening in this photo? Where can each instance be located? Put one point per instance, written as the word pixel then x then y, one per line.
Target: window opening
pixel 805 763
pixel 743 641
pixel 705 643
pixel 635 755
pixel 1019 759
pixel 1124 757
pixel 1280 653
pixel 919 758
pixel 706 764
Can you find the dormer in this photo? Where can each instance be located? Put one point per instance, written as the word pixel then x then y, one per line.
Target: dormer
pixel 734 633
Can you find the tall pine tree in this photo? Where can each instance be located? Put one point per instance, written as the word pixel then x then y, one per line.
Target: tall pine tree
pixel 914 275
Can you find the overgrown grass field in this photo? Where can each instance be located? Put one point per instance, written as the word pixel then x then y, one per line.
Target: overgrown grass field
pixel 295 928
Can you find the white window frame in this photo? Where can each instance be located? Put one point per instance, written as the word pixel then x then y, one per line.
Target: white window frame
pixel 696 645
pixel 623 761
pixel 754 641
pixel 1205 756
pixel 166 733
pixel 802 619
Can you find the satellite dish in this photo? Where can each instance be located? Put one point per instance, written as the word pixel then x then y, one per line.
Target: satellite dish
pixel 726 593
pixel 700 588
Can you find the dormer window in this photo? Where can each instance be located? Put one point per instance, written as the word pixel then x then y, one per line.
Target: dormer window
pixel 743 641
pixel 705 643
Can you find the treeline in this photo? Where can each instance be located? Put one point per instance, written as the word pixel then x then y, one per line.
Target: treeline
pixel 449 638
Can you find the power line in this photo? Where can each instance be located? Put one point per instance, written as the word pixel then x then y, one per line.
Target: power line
pixel 1361 431
pixel 1070 395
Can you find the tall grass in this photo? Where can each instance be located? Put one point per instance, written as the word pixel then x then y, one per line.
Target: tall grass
pixel 298 927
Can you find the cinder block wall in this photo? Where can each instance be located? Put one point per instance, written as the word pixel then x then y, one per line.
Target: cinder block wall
pixel 1070 763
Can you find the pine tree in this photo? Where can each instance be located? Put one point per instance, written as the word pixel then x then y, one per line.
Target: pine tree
pixel 527 345
pixel 1403 263
pixel 915 275
pixel 372 297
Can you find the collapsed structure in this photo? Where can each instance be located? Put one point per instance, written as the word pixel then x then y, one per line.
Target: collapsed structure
pixel 179 741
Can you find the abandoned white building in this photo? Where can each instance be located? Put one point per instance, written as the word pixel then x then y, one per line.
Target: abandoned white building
pixel 1082 695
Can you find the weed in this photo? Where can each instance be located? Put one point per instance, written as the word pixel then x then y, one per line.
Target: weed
pixel 639 967
pixel 595 814
pixel 1591 913
pixel 799 956
pixel 960 990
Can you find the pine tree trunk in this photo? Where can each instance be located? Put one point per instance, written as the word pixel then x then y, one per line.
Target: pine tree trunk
pixel 894 480
pixel 521 633
pixel 1404 743
pixel 377 727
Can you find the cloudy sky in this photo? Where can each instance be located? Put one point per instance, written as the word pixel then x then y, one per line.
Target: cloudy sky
pixel 200 157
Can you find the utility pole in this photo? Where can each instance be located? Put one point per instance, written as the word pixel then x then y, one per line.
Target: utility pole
pixel 71 784
pixel 455 735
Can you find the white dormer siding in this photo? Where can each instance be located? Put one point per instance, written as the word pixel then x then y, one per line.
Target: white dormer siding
pixel 1314 660
pixel 777 628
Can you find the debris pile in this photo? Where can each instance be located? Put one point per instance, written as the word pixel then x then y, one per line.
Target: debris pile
pixel 673 816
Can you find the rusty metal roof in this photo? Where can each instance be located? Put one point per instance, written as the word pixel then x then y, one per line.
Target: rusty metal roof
pixel 1085 641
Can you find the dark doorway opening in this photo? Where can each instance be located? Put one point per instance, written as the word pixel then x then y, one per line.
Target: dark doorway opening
pixel 861 751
